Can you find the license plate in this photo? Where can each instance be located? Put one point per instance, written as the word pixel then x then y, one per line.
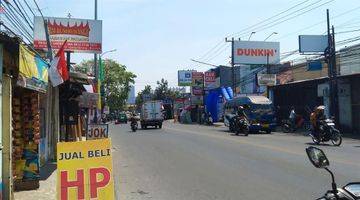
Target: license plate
pixel 266 125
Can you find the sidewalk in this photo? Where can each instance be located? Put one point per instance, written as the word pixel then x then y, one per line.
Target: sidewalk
pixel 47 190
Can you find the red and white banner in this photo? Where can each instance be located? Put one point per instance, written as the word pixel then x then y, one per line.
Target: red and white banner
pixel 210 80
pixel 82 35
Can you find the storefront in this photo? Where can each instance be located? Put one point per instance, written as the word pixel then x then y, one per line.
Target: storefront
pixel 75 107
pixel 25 82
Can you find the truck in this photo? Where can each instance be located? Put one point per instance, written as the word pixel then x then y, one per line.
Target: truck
pixel 151 114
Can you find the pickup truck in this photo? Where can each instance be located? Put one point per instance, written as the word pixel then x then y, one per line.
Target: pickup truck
pixel 151 114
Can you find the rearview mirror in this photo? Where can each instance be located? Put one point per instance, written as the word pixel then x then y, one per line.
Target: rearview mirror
pixel 317 157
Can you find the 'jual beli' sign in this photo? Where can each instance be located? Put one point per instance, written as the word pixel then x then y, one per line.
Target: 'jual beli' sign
pixel 97 131
pixel 85 170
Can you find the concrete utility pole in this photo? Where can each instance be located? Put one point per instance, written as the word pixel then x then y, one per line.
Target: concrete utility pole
pixel 330 55
pixel 232 64
pixel 96 69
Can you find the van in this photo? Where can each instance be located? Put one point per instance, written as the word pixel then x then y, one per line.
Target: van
pixel 259 110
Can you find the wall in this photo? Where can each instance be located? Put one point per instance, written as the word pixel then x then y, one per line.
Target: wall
pixel 355 106
pixel 301 73
pixel 345 114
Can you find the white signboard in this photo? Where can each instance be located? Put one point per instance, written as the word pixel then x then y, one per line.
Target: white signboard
pixel 256 52
pixel 82 35
pixel 97 131
pixel 313 43
pixel 266 79
pixel 185 77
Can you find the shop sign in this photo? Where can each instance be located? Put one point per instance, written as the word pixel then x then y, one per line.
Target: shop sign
pixel 197 83
pixel 33 70
pixel 84 170
pixel 196 100
pixel 82 35
pixel 266 79
pixel 313 43
pixel 256 52
pixel 184 77
pixel 97 131
pixel 210 80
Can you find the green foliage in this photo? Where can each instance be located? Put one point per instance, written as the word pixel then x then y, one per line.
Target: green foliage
pixel 116 84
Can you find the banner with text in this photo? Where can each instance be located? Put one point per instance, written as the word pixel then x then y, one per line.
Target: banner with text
pixel 97 131
pixel 82 35
pixel 184 77
pixel 210 80
pixel 197 83
pixel 256 52
pixel 84 170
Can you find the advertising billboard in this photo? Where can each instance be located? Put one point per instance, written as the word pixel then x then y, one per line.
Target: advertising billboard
pixel 256 52
pixel 185 77
pixel 210 80
pixel 197 83
pixel 84 170
pixel 82 35
pixel 266 79
pixel 313 43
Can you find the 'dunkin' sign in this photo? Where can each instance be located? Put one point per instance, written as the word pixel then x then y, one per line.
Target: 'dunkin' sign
pixel 97 131
pixel 84 170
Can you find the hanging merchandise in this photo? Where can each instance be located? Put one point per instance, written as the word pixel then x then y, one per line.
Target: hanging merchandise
pixel 26 137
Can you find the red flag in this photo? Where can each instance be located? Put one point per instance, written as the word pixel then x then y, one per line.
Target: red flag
pixel 58 71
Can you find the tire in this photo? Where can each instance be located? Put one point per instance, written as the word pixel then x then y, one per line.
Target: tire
pixel 315 140
pixel 268 131
pixel 285 128
pixel 246 131
pixel 231 126
pixel 160 126
pixel 336 138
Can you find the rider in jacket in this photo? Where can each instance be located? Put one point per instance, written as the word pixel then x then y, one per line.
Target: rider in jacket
pixel 315 119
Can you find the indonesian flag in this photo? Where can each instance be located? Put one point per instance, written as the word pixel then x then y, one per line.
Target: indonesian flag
pixel 58 71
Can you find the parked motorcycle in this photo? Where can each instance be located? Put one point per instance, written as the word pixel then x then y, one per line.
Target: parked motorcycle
pixel 239 125
pixel 349 192
pixel 328 132
pixel 134 126
pixel 288 127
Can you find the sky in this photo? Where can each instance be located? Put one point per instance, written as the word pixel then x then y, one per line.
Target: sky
pixel 155 38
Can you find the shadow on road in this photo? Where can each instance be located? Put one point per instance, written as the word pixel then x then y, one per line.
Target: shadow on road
pixel 321 144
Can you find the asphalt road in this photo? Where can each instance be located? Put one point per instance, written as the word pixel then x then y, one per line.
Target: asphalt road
pixel 191 162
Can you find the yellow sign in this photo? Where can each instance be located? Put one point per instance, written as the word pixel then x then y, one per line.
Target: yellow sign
pixel 84 170
pixel 31 65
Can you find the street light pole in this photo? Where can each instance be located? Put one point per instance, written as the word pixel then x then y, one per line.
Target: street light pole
pixel 273 33
pixel 96 72
pixel 252 33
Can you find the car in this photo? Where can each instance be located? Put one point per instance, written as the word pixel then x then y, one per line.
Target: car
pixel 122 118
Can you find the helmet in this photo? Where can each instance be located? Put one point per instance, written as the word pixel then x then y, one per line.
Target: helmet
pixel 320 110
pixel 240 108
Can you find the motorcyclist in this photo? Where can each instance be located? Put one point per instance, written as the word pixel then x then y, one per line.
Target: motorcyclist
pixel 315 119
pixel 241 112
pixel 133 118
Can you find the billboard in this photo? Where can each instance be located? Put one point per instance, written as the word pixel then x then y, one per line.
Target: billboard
pixel 197 83
pixel 210 80
pixel 266 79
pixel 82 35
pixel 313 43
pixel 84 170
pixel 185 77
pixel 256 52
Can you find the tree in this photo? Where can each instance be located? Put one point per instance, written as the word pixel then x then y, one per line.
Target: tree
pixel 140 97
pixel 116 84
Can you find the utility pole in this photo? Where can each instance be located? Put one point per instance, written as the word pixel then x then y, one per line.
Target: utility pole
pixel 233 81
pixel 96 72
pixel 330 55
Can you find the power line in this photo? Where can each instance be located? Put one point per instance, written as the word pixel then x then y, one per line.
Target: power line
pixel 23 15
pixel 28 6
pixel 263 21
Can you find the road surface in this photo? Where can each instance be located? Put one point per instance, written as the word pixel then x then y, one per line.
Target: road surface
pixel 192 162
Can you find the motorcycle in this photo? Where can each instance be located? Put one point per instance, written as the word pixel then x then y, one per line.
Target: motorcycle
pixel 288 127
pixel 239 125
pixel 350 191
pixel 134 126
pixel 328 132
